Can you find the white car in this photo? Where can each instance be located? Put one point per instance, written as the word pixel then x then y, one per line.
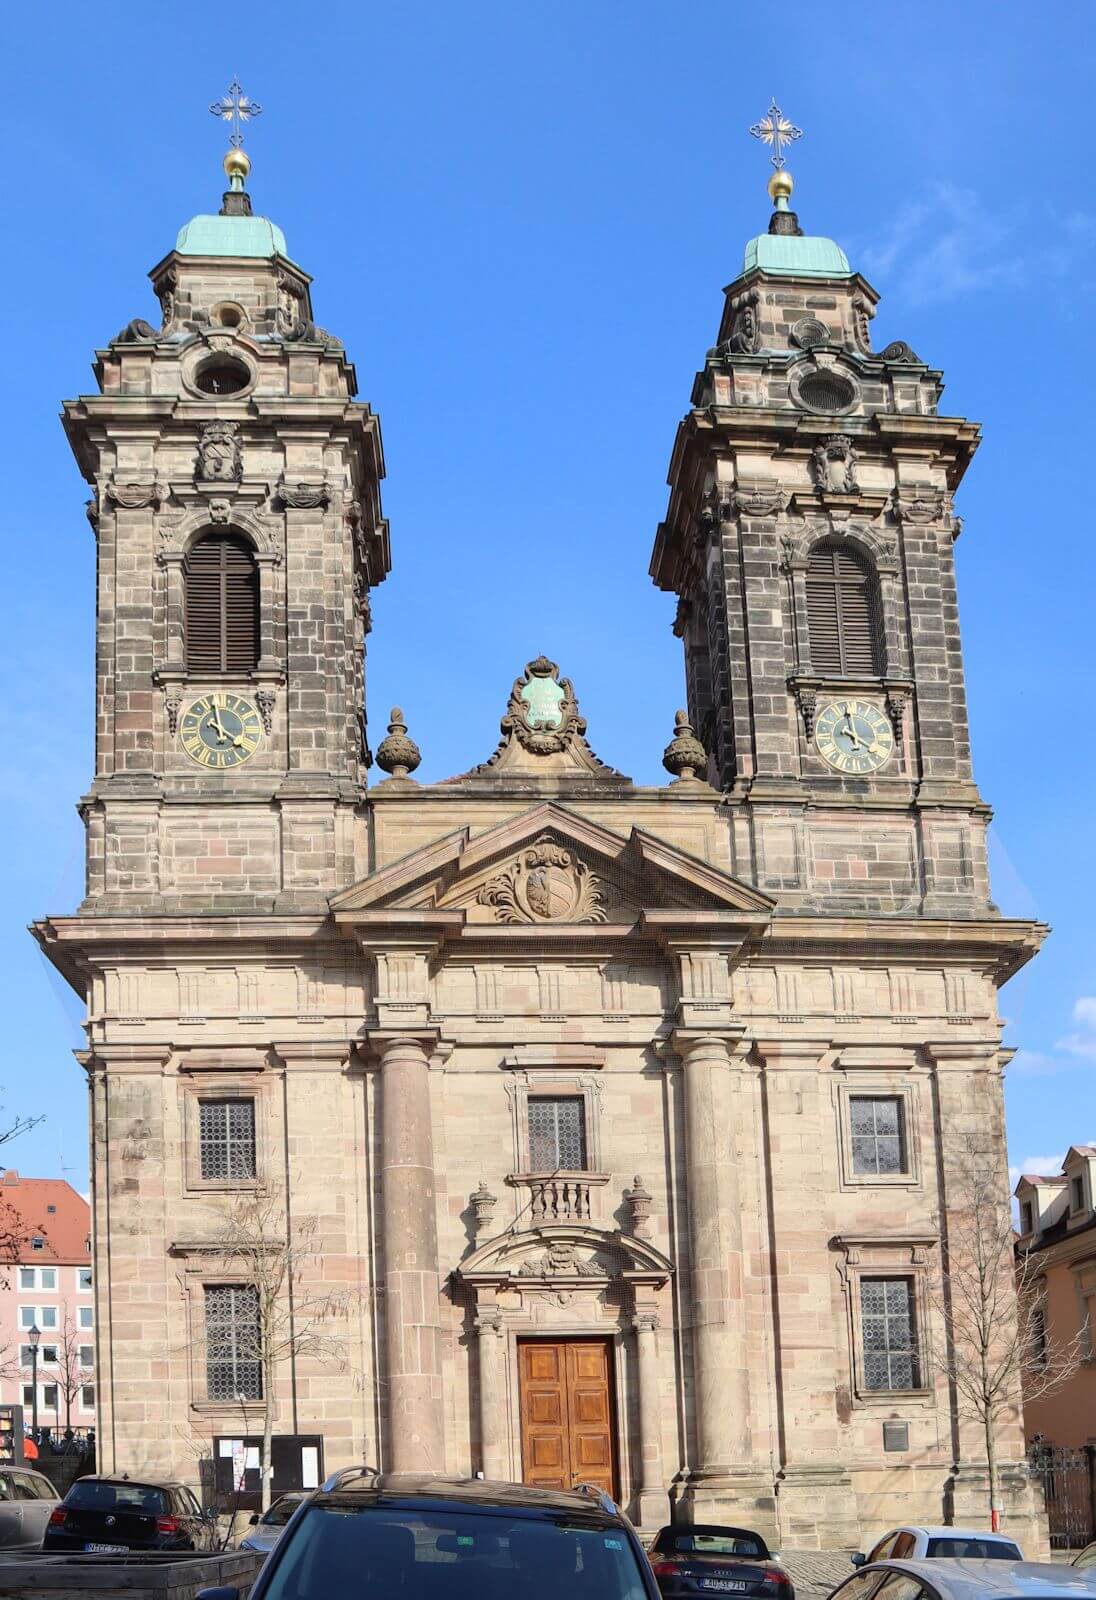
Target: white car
pixel 928 1544
pixel 957 1579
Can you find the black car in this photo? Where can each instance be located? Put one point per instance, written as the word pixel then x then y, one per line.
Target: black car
pixel 698 1558
pixel 438 1538
pixel 104 1515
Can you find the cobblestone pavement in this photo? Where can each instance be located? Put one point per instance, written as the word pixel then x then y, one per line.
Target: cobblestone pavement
pixel 816 1572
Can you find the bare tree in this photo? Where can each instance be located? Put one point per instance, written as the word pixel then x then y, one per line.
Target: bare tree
pixel 999 1348
pixel 72 1372
pixel 284 1313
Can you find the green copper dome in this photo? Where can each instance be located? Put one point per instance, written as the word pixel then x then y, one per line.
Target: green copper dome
pixel 797 255
pixel 231 236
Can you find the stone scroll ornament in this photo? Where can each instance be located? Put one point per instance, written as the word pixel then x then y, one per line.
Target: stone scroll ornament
pixel 543 712
pixel 545 884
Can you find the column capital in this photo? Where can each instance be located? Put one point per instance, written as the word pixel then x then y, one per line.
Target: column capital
pixel 646 1321
pixel 490 1322
pixel 384 1042
pixel 721 1044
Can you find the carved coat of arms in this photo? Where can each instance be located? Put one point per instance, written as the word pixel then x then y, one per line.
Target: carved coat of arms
pixel 219 455
pixel 545 884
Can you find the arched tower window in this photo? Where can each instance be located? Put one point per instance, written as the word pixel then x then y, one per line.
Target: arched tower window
pixel 222 605
pixel 844 614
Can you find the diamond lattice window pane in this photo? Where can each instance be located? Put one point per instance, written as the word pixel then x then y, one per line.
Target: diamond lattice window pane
pixel 226 1137
pixel 557 1133
pixel 888 1333
pixel 233 1347
pixel 877 1143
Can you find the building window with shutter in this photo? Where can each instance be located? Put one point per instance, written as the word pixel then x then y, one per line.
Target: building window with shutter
pixel 221 622
pixel 233 1342
pixel 557 1133
pixel 844 615
pixel 226 1139
pixel 888 1329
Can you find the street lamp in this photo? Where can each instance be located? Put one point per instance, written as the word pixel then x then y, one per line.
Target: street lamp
pixel 34 1336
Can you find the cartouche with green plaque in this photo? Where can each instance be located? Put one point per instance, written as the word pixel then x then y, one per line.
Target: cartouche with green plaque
pixel 220 730
pixel 853 736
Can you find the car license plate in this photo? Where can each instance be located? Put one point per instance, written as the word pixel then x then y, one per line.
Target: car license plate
pixel 108 1549
pixel 724 1585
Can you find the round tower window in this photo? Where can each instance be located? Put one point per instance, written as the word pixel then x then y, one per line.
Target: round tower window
pixel 826 391
pixel 222 375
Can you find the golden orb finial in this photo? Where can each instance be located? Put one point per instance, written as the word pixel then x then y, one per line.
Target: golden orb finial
pixel 237 164
pixel 781 185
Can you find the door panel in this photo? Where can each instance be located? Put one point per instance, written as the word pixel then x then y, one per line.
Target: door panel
pixel 567 1432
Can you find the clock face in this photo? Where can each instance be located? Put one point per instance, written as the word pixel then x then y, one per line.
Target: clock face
pixel 853 736
pixel 220 730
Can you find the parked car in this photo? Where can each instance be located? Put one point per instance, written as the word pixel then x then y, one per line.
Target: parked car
pixel 26 1500
pixel 925 1544
pixel 960 1579
pixel 267 1529
pixel 437 1538
pixel 690 1558
pixel 1085 1558
pixel 103 1515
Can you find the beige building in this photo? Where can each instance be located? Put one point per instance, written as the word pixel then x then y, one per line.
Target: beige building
pixel 628 1114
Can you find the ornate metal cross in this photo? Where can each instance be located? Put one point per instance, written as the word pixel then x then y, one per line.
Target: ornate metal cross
pixel 777 131
pixel 235 107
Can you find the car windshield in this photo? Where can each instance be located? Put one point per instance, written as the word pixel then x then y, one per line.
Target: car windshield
pixel 975 1549
pixel 719 1544
pixel 91 1495
pixel 280 1512
pixel 452 1555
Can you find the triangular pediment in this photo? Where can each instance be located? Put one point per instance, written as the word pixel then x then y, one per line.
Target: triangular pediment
pixel 551 866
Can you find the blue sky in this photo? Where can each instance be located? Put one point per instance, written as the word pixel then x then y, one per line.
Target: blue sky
pixel 519 216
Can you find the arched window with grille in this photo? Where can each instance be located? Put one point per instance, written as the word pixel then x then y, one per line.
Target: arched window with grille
pixel 222 605
pixel 844 615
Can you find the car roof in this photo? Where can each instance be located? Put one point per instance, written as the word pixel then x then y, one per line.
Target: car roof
pixel 428 1490
pixel 129 1483
pixel 963 1579
pixel 940 1531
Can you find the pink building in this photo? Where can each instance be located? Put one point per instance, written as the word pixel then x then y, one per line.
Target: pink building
pixel 47 1227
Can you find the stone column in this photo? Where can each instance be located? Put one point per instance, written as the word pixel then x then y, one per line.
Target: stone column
pixel 410 1244
pixel 492 1396
pixel 652 1501
pixel 721 1380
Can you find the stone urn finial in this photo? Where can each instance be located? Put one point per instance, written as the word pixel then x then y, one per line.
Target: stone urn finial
pixel 638 1200
pixel 483 1207
pixel 397 754
pixel 684 756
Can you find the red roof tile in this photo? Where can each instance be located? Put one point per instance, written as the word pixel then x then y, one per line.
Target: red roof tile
pixel 25 1211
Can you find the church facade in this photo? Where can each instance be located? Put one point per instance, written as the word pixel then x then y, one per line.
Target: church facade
pixel 627 1117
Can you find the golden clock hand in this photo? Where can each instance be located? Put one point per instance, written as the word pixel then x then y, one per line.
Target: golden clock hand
pixel 216 715
pixel 850 728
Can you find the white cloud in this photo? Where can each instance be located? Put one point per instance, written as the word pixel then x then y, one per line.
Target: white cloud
pixel 947 243
pixel 1082 1041
pixel 1034 1064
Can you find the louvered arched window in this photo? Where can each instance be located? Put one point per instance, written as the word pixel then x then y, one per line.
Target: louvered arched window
pixel 843 612
pixel 222 605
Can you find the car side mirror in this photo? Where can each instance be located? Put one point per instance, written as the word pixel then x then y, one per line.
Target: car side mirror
pixel 253 1519
pixel 860 1559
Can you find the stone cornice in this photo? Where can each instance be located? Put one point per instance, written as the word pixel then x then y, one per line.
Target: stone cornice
pixel 1003 945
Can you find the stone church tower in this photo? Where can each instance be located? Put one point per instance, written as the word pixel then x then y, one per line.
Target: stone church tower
pixel 628 1120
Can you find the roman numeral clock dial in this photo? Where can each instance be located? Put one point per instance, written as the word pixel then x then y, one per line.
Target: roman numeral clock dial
pixel 853 736
pixel 220 731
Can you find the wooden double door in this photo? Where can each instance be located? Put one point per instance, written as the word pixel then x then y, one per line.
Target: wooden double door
pixel 568 1423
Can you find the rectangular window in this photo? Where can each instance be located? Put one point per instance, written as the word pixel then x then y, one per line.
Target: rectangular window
pixel 28 1400
pixel 28 1316
pixel 37 1242
pixel 233 1351
pixel 889 1333
pixel 1039 1352
pixel 47 1277
pixel 226 1138
pixel 1027 1219
pixel 26 1277
pixel 1077 1189
pixel 49 1396
pixel 47 1354
pixel 83 1278
pixel 87 1396
pixel 87 1356
pixel 557 1133
pixel 84 1315
pixel 49 1317
pixel 878 1138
